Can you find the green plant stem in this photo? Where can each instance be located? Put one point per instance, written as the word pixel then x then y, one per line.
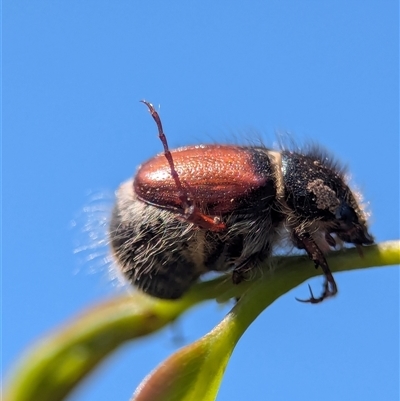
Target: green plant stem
pixel 62 359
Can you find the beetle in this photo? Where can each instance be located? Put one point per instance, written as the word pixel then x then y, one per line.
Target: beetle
pixel 224 207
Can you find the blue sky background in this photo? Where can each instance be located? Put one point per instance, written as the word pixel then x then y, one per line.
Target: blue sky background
pixel 73 128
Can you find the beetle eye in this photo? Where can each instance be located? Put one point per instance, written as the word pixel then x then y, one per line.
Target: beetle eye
pixel 347 214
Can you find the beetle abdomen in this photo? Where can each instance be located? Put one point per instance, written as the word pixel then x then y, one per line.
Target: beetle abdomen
pixel 154 249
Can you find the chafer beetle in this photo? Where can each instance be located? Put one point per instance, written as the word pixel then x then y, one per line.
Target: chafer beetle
pixel 224 207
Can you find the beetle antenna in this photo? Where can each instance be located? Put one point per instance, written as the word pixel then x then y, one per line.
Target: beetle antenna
pixel 191 212
pixel 167 153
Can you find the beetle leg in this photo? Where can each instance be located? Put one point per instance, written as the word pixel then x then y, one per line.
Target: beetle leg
pixel 305 241
pixel 240 270
pixel 244 266
pixel 330 240
pixel 191 214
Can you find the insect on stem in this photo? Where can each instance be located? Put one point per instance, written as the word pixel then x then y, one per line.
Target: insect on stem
pixel 223 207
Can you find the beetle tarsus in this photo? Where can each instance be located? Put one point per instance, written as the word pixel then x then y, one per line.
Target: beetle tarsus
pixel 237 277
pixel 316 255
pixel 328 292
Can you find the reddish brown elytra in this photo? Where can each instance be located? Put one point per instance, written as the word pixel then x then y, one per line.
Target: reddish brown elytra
pixel 217 176
pixel 151 189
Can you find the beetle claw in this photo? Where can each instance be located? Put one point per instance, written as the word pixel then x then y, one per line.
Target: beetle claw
pixel 328 292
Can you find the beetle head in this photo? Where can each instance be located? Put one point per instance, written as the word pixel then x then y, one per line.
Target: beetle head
pixel 316 191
